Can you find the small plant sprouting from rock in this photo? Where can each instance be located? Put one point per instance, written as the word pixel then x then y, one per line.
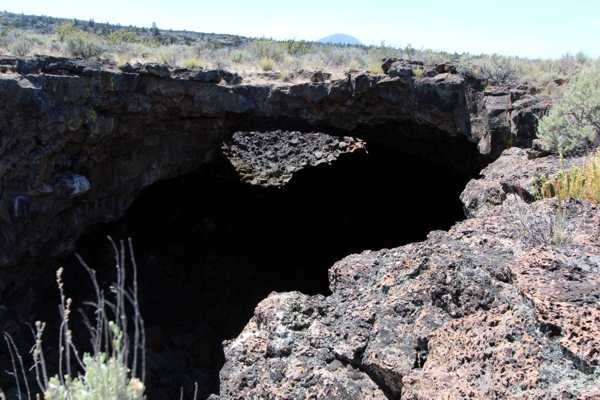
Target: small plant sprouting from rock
pixel 577 183
pixel 105 371
pixel 418 72
pixel 548 228
pixel 535 228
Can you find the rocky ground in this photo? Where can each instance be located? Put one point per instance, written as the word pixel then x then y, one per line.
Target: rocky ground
pixel 485 310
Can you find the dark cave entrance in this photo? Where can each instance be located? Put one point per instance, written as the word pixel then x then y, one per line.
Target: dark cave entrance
pixel 210 247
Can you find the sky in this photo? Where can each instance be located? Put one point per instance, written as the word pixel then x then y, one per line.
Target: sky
pixel 524 28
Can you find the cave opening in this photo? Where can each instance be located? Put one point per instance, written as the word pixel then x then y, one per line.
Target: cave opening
pixel 209 246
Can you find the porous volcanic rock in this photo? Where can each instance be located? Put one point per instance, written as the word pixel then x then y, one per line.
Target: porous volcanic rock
pixel 514 173
pixel 481 311
pixel 271 158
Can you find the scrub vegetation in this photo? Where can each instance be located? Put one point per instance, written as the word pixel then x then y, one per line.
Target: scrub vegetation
pixel 26 35
pixel 573 124
pixel 577 182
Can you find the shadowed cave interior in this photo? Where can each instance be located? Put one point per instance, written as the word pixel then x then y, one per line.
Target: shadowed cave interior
pixel 210 247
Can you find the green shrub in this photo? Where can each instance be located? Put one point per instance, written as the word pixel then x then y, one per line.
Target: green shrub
pixel 573 123
pixel 376 67
pixel 239 56
pixel 284 75
pixel 172 39
pixel 326 54
pixel 85 44
pixel 267 49
pixel 340 58
pixel 290 64
pixel 428 56
pixel 105 371
pixel 64 30
pixel 570 64
pixel 123 36
pixel 215 44
pixel 354 64
pixel 21 43
pixel 297 47
pixel 21 47
pixel 498 69
pixel 410 51
pixel 192 63
pixel 106 377
pixel 134 50
pixel 4 31
pixel 382 51
pixel 171 55
pixel 122 58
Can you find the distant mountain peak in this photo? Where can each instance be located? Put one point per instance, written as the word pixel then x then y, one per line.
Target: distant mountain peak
pixel 340 38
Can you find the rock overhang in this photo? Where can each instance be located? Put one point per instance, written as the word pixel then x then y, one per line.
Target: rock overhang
pixel 123 129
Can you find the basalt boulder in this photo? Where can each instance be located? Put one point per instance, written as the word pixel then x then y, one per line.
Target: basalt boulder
pixel 485 310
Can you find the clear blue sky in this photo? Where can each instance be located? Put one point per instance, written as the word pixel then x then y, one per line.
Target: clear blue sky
pixel 526 28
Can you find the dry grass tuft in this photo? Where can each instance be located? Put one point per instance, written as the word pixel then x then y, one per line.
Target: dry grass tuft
pixel 266 64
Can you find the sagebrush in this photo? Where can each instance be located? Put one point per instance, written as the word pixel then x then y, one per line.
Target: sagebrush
pixel 573 123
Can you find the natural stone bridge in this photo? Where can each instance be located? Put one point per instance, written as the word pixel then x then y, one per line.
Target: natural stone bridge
pixel 79 140
pixel 464 308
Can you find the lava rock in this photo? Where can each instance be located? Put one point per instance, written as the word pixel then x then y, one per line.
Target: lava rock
pixel 480 310
pixel 512 174
pixel 446 67
pixel 317 77
pixel 271 158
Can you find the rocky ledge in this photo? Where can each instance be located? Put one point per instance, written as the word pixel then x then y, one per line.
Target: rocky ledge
pixel 485 310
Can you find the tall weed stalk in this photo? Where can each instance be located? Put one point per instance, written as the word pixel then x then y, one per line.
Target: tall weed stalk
pixel 105 371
